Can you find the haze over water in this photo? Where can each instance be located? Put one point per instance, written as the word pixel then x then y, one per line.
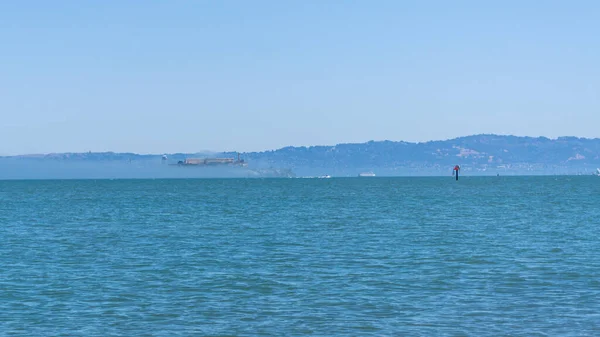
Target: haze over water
pixel 374 256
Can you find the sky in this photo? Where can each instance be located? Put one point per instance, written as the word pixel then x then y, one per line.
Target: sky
pixel 186 76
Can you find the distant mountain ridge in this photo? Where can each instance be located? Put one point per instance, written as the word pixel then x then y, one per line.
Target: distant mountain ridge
pixel 478 154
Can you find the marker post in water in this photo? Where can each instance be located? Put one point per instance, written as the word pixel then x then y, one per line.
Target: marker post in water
pixel 455 171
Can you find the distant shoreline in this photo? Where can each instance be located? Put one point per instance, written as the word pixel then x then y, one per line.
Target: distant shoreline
pixel 477 155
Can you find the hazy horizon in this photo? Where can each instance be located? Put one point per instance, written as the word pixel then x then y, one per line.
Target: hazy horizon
pixel 293 145
pixel 299 145
pixel 238 76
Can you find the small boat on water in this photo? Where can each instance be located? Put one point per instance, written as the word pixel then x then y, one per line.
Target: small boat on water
pixel 366 174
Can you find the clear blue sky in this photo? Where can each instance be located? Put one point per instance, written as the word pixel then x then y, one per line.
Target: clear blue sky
pixel 166 76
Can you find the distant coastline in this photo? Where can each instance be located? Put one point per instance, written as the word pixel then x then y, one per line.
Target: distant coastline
pixel 484 154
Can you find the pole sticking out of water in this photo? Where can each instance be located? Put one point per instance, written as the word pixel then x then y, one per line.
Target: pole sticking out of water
pixel 456 169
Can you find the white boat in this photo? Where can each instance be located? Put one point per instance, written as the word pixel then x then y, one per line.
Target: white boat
pixel 327 176
pixel 366 174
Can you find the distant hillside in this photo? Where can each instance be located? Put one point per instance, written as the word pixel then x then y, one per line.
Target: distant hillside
pixel 478 154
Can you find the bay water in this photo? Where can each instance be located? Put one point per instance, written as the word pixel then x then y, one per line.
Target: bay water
pixel 482 256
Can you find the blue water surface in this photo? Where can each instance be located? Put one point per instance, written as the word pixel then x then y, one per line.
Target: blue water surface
pixel 482 256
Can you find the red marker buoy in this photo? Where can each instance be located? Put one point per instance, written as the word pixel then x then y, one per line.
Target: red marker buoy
pixel 455 171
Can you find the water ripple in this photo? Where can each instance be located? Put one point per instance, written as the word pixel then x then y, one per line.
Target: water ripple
pixel 420 257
